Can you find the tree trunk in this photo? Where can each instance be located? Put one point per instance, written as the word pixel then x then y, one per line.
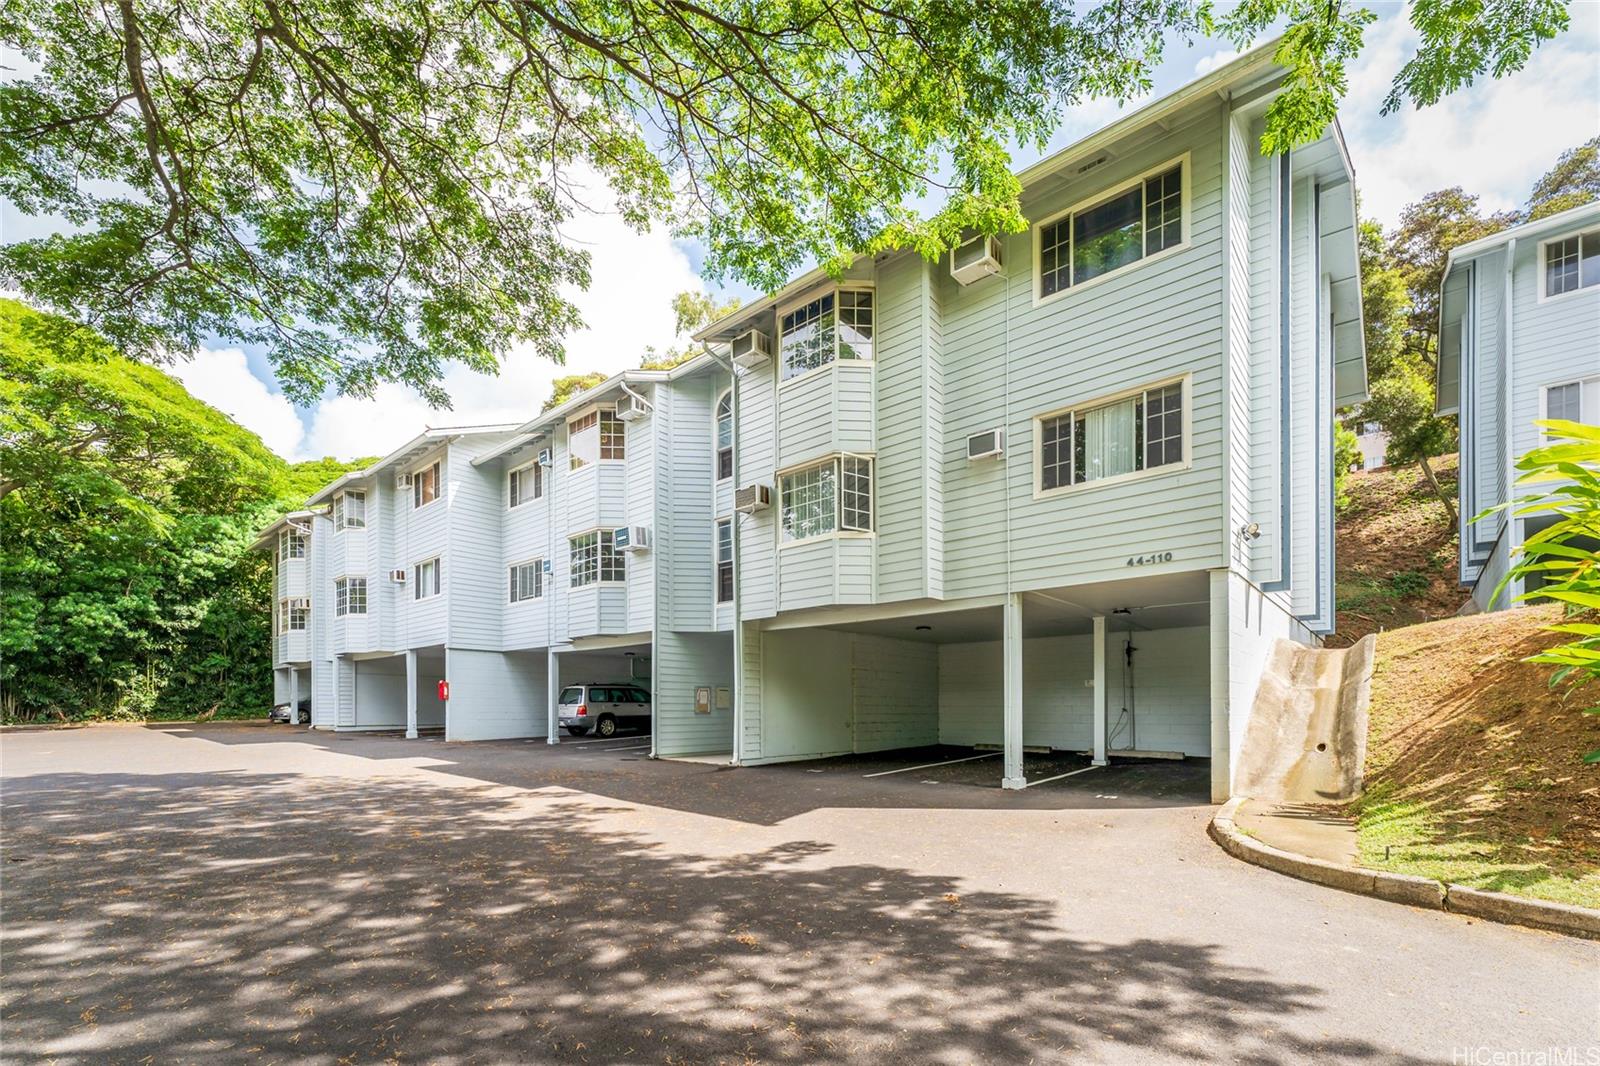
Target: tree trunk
pixel 1433 483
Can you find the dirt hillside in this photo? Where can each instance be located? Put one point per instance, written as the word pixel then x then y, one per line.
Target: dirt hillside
pixel 1474 767
pixel 1397 552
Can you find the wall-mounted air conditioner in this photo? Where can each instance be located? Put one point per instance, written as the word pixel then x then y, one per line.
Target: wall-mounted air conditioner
pixel 300 603
pixel 990 444
pixel 544 456
pixel 632 408
pixel 398 576
pixel 751 349
pixel 752 498
pixel 975 259
pixel 631 538
pixel 402 481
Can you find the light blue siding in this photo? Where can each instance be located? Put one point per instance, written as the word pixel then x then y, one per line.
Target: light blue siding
pixel 496 695
pixel 681 663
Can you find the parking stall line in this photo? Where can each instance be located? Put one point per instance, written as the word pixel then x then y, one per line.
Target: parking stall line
pixel 1058 777
pixel 933 765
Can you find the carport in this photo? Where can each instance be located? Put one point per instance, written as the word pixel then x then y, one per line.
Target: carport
pixel 596 661
pixel 392 691
pixel 1039 685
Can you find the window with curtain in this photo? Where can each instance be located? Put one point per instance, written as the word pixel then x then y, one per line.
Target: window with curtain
pixel 1132 223
pixel 425 579
pixel 425 486
pixel 1139 432
pixel 523 484
pixel 527 581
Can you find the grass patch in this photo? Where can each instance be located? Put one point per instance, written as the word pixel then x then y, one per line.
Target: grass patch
pixel 1474 769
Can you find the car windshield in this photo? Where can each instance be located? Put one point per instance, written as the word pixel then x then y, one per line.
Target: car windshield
pixel 571 695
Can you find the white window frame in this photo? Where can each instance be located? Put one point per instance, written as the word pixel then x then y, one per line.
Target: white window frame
pixel 717 561
pixel 342 599
pixel 1540 261
pixel 1584 386
pixel 839 530
pixel 716 437
pixel 341 510
pixel 1185 179
pixel 1037 474
pixel 619 559
pixel 600 412
pixel 538 484
pixel 287 613
pixel 437 562
pixel 292 536
pixel 817 294
pixel 437 469
pixel 538 581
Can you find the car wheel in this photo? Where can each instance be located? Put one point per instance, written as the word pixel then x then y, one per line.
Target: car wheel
pixel 607 726
pixel 576 731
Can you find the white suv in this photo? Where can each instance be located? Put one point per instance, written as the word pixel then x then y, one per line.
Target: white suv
pixel 605 708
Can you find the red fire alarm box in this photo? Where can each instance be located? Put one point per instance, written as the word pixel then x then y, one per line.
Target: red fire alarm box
pixel 444 690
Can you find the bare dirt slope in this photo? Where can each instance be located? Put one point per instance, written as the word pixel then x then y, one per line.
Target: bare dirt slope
pixel 1474 768
pixel 1397 552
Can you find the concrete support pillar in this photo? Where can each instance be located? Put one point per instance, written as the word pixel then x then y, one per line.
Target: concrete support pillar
pixel 1101 722
pixel 1011 690
pixel 1221 704
pixel 294 696
pixel 553 696
pixel 411 695
pixel 336 665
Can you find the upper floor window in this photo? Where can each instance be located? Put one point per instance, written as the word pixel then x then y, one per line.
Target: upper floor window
pixel 825 497
pixel 725 436
pixel 1133 222
pixel 1574 401
pixel 291 544
pixel 1143 431
pixel 425 485
pixel 425 579
pixel 293 615
pixel 349 596
pixel 595 558
pixel 350 510
pixel 724 560
pixel 598 434
pixel 1572 263
pixel 526 581
pixel 523 484
pixel 835 325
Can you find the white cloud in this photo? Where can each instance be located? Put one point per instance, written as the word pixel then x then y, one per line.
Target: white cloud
pixel 1494 138
pixel 222 378
pixel 633 276
pixel 1206 64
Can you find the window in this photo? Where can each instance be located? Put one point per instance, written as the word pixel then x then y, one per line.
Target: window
pixel 829 496
pixel 350 510
pixel 1574 401
pixel 293 615
pixel 724 560
pixel 1572 263
pixel 527 581
pixel 813 334
pixel 425 579
pixel 1132 223
pixel 595 558
pixel 291 544
pixel 425 486
pixel 596 435
pixel 523 484
pixel 1139 432
pixel 349 596
pixel 725 436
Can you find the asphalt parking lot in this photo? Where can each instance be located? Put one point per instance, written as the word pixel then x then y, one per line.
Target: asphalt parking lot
pixel 225 892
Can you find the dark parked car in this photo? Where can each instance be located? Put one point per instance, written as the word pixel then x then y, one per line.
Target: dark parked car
pixel 280 713
pixel 604 708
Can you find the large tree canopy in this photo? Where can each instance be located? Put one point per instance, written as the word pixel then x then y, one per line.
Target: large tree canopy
pixel 368 190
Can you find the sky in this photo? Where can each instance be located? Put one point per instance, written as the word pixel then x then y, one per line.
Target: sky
pixel 1495 139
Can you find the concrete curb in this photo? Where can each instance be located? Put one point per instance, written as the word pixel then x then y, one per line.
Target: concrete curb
pixel 1403 888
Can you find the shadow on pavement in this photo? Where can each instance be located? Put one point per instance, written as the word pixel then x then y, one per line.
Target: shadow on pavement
pixel 223 916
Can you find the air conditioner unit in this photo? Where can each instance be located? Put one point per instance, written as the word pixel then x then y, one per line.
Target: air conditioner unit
pixel 631 538
pixel 990 444
pixel 399 576
pixel 752 348
pixel 544 456
pixel 752 498
pixel 300 603
pixel 402 481
pixel 975 259
pixel 631 409
pixel 544 564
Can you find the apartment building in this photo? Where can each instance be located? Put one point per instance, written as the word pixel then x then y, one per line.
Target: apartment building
pixel 1061 488
pixel 1519 341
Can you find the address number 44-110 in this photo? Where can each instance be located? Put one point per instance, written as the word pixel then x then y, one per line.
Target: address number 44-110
pixel 1146 560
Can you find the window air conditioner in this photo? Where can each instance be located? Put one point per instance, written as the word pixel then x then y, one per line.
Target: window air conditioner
pixel 544 456
pixel 631 538
pixel 752 498
pixel 990 444
pixel 752 348
pixel 398 576
pixel 300 603
pixel 402 481
pixel 631 409
pixel 975 259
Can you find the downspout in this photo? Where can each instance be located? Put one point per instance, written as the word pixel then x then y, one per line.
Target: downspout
pixel 648 406
pixel 737 755
pixel 1513 541
pixel 552 685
